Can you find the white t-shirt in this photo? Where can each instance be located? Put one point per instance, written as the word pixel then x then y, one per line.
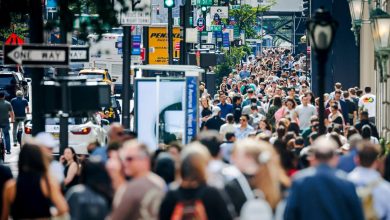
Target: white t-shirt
pixel 304 114
pixel 368 103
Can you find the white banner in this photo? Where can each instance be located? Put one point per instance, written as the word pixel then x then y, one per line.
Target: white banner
pixel 222 11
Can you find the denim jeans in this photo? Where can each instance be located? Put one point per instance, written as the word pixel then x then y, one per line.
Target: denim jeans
pixel 5 129
pixel 17 124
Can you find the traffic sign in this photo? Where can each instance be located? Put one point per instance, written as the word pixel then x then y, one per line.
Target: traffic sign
pixel 79 54
pixel 217 18
pixel 205 2
pixel 35 55
pixel 138 13
pixel 200 24
pixel 222 11
pixel 136 45
pixel 14 39
pixel 215 28
pixel 205 46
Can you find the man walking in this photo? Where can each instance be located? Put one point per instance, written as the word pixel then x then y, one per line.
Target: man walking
pixel 368 103
pixel 323 192
pixel 6 112
pixel 305 111
pixel 139 198
pixel 244 130
pixel 20 107
pixel 366 176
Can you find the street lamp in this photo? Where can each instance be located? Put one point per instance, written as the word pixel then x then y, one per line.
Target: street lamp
pixel 380 28
pixel 321 29
pixel 356 10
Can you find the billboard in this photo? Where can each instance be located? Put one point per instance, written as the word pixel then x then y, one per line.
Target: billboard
pixel 160 110
pixel 279 6
pixel 158 44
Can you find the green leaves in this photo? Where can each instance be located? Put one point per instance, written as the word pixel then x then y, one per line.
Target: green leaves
pixel 246 17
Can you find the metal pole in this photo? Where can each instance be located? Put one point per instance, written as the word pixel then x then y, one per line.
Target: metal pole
pixel 321 58
pixel 126 77
pixel 183 25
pixel 36 36
pixel 146 43
pixel 64 115
pixel 170 37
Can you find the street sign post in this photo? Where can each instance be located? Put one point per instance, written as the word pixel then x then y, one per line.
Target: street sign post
pixel 138 13
pixel 36 55
pixel 79 54
pixel 205 2
pixel 215 28
pixel 200 24
pixel 205 46
pixel 136 45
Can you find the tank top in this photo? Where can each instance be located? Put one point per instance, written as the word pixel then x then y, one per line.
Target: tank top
pixel 30 202
pixel 75 179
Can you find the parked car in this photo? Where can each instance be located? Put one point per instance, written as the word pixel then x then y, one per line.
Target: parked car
pixel 11 81
pixel 81 131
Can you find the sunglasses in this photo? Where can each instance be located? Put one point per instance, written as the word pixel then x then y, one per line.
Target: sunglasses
pixel 242 119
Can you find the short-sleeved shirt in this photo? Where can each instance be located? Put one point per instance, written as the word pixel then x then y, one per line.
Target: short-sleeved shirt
pixel 225 109
pixel 304 114
pixel 368 103
pixel 5 108
pixel 19 105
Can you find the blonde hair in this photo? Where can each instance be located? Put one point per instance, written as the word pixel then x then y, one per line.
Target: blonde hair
pixel 269 174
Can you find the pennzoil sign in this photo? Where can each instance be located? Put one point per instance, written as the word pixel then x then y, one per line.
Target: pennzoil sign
pixel 158 44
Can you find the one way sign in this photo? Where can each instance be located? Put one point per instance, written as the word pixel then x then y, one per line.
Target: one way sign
pixel 37 55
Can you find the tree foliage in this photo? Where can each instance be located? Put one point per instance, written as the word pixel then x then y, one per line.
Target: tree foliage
pixel 246 17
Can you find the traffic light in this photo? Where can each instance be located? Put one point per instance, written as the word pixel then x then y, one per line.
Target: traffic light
pixel 169 3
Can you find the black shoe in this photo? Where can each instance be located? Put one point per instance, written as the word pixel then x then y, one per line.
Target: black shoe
pixel 8 152
pixel 15 144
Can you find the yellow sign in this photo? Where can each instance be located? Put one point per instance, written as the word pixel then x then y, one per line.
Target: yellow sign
pixel 158 44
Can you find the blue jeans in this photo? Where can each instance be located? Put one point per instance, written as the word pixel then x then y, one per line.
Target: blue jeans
pixel 5 129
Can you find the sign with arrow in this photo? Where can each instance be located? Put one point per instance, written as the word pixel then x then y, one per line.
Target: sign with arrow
pixel 35 55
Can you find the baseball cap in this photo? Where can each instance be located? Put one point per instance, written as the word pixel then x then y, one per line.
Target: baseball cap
pixel 45 140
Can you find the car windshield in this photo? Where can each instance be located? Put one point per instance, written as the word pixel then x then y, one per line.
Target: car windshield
pixel 93 75
pixel 71 121
pixel 7 79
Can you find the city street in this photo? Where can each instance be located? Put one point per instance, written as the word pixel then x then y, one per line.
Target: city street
pixel 195 110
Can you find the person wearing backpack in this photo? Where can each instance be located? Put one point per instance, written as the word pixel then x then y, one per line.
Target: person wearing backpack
pixel 194 199
pixel 373 190
pixel 256 179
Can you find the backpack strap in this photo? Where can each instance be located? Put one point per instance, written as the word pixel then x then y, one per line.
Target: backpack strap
pixel 243 182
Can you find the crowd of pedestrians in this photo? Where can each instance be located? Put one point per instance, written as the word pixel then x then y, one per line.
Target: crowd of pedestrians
pixel 258 156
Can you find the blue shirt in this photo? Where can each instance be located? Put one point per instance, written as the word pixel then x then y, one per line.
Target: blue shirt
pixel 322 193
pixel 347 162
pixel 241 134
pixel 19 105
pixel 244 74
pixel 225 109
